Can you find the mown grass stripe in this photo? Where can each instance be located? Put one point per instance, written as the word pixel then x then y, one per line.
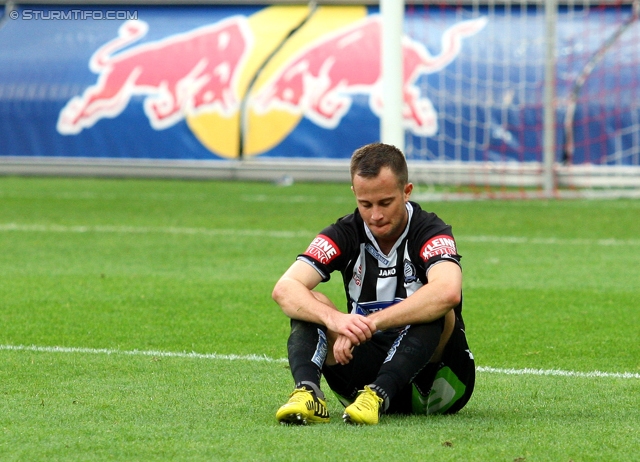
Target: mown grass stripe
pixel 149 230
pixel 7 227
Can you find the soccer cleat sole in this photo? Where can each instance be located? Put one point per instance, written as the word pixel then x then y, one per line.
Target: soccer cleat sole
pixel 293 419
pixel 299 419
pixel 347 420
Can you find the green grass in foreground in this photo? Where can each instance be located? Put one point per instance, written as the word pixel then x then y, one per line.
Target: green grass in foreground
pixel 90 407
pixel 178 266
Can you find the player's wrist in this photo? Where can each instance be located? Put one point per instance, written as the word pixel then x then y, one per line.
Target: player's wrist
pixel 375 320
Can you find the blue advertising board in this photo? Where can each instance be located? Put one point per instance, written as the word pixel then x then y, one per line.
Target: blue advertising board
pixel 228 82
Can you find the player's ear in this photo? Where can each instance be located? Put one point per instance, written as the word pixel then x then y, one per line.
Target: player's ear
pixel 407 191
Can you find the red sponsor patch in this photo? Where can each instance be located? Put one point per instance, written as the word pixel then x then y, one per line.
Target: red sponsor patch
pixel 323 249
pixel 438 245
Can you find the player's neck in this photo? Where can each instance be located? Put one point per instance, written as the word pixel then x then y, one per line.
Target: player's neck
pixel 386 244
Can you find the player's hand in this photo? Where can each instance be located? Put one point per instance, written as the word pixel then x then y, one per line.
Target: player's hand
pixel 356 328
pixel 342 350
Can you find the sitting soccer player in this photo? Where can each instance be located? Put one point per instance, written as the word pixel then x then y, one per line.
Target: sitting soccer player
pixel 401 348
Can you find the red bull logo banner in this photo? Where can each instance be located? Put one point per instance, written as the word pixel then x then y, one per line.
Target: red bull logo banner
pixel 197 73
pixel 292 81
pixel 183 74
pixel 278 81
pixel 319 81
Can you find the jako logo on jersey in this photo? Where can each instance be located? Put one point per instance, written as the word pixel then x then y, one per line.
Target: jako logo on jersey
pixel 438 245
pixel 321 80
pixel 386 272
pixel 185 73
pixel 323 249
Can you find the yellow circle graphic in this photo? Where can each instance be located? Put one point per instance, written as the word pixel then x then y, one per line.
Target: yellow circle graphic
pixel 270 28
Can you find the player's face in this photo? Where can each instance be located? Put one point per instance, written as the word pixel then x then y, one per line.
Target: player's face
pixel 381 203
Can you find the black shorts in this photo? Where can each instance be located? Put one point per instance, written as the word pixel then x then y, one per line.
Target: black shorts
pixel 440 388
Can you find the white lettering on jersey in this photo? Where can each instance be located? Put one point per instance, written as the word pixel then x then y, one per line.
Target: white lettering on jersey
pixel 377 255
pixel 323 249
pixel 438 245
pixel 386 272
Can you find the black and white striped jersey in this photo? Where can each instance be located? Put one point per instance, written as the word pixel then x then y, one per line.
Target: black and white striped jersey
pixel 374 280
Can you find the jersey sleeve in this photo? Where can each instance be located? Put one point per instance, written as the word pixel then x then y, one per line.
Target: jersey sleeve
pixel 434 242
pixel 440 247
pixel 330 249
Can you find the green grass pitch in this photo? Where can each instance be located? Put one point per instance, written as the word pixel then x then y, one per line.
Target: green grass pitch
pixel 137 325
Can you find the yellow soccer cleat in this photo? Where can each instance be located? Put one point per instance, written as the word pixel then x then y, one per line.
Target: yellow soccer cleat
pixel 303 408
pixel 365 410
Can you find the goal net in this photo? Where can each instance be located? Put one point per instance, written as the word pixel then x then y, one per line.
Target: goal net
pixel 561 81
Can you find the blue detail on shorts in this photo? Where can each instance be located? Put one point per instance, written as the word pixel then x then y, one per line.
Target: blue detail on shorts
pixel 321 350
pixel 392 351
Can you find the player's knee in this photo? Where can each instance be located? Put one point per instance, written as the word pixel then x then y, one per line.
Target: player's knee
pixel 432 328
pixel 303 328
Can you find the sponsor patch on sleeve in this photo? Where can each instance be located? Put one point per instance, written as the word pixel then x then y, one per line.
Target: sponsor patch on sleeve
pixel 323 249
pixel 438 245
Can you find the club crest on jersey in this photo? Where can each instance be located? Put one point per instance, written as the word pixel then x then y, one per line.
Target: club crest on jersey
pixel 438 245
pixel 410 274
pixel 323 249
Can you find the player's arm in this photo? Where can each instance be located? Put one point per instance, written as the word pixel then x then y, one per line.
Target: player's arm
pixel 432 301
pixel 294 293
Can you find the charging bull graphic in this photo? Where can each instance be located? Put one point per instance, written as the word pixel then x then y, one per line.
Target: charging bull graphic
pixel 197 76
pixel 180 74
pixel 320 80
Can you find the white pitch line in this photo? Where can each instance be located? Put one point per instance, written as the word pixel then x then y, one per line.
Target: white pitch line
pixel 558 372
pixel 152 353
pixel 264 358
pixel 8 227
